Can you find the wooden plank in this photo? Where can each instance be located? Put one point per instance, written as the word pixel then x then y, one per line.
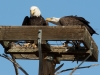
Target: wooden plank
pixel 71 58
pixel 46 49
pixel 26 56
pixel 23 50
pixel 49 32
pixel 48 67
pixel 63 58
pixel 88 40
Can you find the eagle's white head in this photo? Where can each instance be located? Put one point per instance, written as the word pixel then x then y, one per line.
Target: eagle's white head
pixel 35 11
pixel 53 20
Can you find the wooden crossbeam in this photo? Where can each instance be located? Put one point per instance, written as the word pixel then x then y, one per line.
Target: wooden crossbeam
pixel 62 58
pixel 88 41
pixel 52 49
pixel 49 32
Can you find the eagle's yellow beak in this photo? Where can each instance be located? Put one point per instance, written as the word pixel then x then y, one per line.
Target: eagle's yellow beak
pixel 48 19
pixel 32 12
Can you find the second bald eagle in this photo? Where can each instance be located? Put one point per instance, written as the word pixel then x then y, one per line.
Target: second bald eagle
pixel 72 20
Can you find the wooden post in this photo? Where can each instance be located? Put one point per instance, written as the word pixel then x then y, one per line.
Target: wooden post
pixel 48 65
pixel 40 53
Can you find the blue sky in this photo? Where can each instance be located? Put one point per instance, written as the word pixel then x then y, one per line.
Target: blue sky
pixel 12 13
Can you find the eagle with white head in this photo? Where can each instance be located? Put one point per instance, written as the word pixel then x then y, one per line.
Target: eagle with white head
pixel 72 20
pixel 35 18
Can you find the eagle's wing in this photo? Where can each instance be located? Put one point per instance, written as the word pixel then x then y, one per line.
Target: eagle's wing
pixel 25 21
pixel 89 28
pixel 75 20
pixel 45 23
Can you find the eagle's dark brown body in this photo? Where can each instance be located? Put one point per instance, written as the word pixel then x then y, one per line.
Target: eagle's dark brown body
pixel 34 21
pixel 75 20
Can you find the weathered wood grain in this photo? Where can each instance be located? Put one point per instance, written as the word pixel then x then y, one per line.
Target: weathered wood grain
pixel 49 33
pixel 88 42
pixel 63 58
pixel 52 49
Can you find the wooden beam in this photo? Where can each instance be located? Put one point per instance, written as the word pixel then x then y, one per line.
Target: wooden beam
pixel 48 66
pixel 88 41
pixel 52 49
pixel 63 58
pixel 49 32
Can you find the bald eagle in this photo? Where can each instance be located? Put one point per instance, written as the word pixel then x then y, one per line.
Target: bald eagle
pixel 72 20
pixel 35 19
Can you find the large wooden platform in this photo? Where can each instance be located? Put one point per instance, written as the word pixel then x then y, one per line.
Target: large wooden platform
pixel 50 33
